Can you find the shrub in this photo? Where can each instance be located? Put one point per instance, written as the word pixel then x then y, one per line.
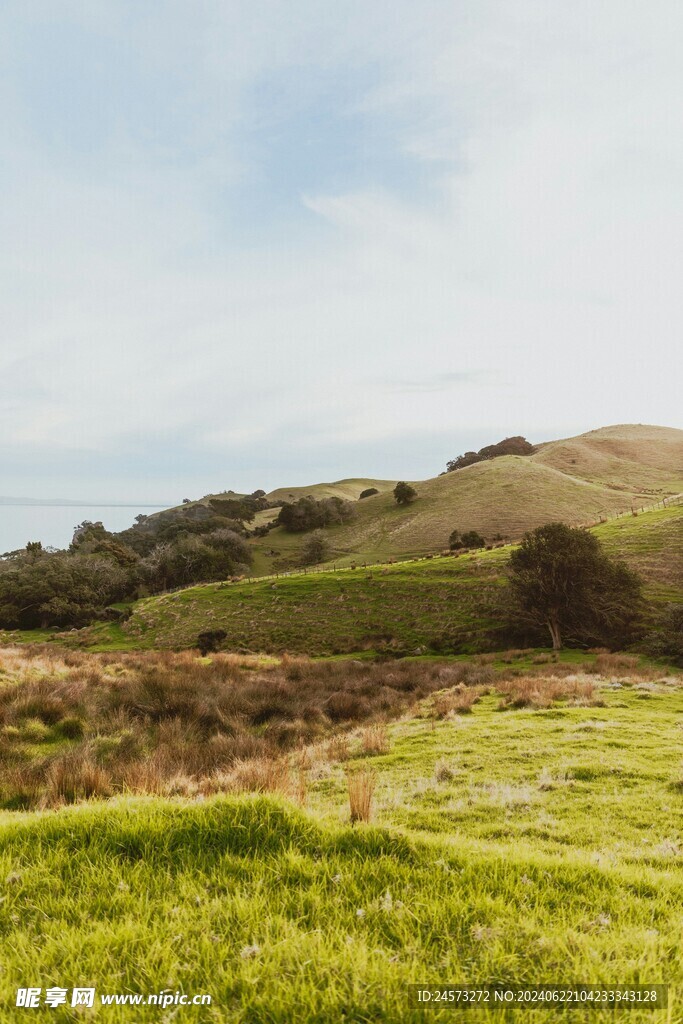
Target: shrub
pixel 472 539
pixel 459 701
pixel 368 492
pixel 666 639
pixel 443 771
pixel 404 493
pixel 209 641
pixel 316 549
pixel 455 541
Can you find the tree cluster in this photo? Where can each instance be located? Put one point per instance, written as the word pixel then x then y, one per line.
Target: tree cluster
pixel 41 588
pixel 469 539
pixel 508 446
pixel 309 514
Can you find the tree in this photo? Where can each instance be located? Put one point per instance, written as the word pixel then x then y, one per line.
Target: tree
pixel 472 539
pixel 455 541
pixel 34 549
pixel 561 579
pixel 316 549
pixel 404 493
pixel 368 492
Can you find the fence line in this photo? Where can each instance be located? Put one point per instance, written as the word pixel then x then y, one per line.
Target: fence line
pixel 674 499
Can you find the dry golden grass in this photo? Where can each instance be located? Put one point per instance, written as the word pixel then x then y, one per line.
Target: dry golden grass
pixel 337 749
pixel 163 722
pixel 543 691
pixel 458 701
pixel 574 481
pixel 361 789
pixel 375 740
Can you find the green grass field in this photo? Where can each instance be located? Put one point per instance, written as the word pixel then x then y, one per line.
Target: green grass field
pixel 441 604
pixel 515 846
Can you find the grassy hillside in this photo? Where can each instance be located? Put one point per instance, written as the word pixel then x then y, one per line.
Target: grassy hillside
pixel 443 604
pixel 652 543
pixel 538 844
pixel 347 489
pixel 576 481
pixel 644 459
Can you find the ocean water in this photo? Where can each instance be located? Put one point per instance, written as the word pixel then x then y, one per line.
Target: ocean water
pixel 54 525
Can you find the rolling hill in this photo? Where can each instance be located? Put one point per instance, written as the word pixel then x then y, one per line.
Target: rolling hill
pixel 578 481
pixel 437 603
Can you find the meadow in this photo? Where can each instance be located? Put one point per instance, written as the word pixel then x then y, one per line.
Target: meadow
pixel 524 826
pixel 436 604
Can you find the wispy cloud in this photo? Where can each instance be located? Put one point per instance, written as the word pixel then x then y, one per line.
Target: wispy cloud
pixel 237 237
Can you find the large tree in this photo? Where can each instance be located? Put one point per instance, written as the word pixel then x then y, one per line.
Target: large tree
pixel 563 580
pixel 404 493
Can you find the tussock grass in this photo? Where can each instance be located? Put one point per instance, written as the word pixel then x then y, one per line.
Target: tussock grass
pixel 77 725
pixel 361 787
pixel 542 691
pixel 375 739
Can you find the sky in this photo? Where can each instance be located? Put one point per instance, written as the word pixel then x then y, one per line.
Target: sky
pixel 249 244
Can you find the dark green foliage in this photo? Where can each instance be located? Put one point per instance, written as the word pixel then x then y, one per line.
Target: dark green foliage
pixel 59 590
pixel 193 559
pixel 472 539
pixel 309 514
pixel 368 492
pixel 562 579
pixel 316 549
pixel 209 641
pixel 40 589
pixel 404 493
pixel 666 639
pixel 243 509
pixel 509 446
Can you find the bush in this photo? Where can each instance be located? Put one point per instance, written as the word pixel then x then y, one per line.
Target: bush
pixel 404 493
pixel 209 641
pixel 666 639
pixel 472 539
pixel 316 549
pixel 368 492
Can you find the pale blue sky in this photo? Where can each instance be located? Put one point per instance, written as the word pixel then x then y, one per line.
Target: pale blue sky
pixel 249 244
